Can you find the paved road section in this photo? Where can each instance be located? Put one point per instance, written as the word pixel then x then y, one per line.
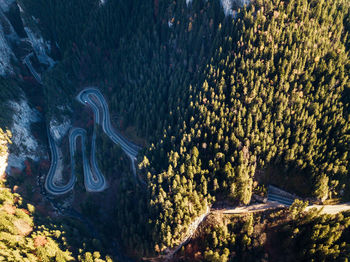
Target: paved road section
pixel 28 63
pixel 93 98
pixel 94 180
pixel 250 209
pixel 331 209
pixel 50 186
pixel 326 209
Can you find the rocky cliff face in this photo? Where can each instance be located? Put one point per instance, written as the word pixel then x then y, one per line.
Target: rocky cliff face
pixel 59 129
pixel 20 36
pixel 7 37
pixel 19 39
pixel 3 151
pixel 24 145
pixel 230 5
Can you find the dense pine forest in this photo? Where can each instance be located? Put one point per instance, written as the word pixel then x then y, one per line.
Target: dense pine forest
pixel 222 105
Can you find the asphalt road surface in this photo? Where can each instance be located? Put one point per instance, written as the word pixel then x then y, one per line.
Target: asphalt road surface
pixel 94 180
pixel 28 63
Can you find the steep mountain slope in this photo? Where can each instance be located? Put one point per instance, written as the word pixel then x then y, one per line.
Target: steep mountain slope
pixel 223 102
pixel 214 99
pixel 25 233
pixel 288 235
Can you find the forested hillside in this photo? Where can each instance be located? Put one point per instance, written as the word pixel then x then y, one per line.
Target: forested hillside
pixel 217 102
pixel 289 235
pixel 28 235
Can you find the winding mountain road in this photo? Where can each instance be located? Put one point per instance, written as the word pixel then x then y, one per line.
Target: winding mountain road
pixel 94 180
pixel 28 63
pixel 50 186
pixel 96 101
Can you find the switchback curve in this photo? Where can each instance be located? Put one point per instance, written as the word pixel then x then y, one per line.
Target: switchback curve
pixel 94 180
